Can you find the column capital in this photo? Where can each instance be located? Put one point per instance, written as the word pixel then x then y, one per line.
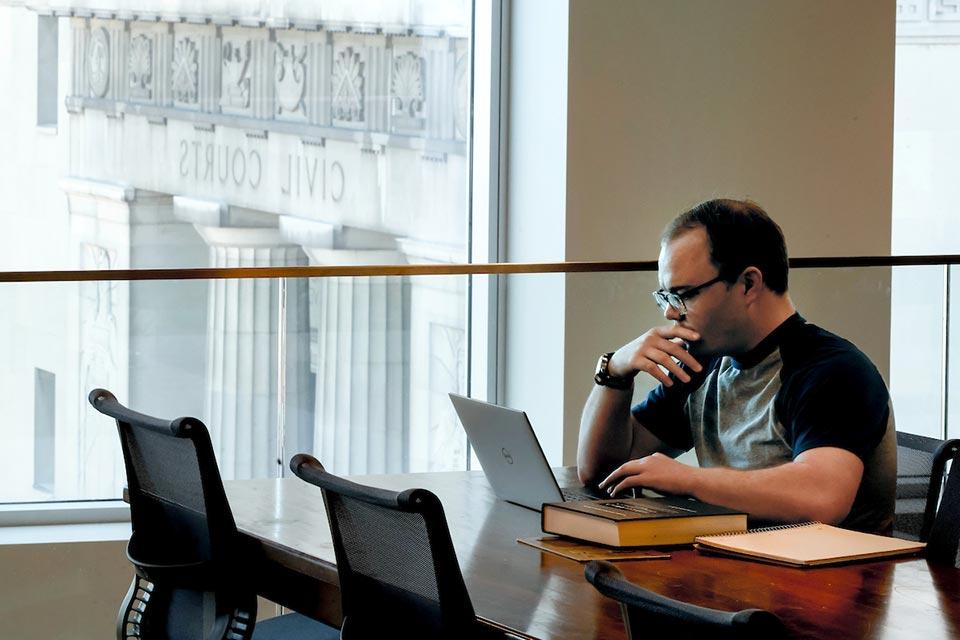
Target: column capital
pixel 423 251
pixel 309 233
pixel 223 225
pixel 114 201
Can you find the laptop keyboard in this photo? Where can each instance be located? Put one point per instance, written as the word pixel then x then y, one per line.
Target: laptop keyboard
pixel 575 495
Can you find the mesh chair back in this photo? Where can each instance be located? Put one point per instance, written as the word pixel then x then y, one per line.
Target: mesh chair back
pixel 395 559
pixel 185 545
pixel 647 614
pixel 943 545
pixel 921 463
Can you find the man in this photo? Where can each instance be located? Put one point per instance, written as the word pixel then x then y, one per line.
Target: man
pixel 789 422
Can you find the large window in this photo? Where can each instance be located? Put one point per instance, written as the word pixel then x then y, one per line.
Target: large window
pixel 237 135
pixel 925 216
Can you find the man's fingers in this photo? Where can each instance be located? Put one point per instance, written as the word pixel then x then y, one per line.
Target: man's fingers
pixel 676 331
pixel 662 353
pixel 650 366
pixel 668 363
pixel 684 356
pixel 622 470
pixel 627 483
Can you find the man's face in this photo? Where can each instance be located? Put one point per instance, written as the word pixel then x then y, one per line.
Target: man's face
pixel 684 263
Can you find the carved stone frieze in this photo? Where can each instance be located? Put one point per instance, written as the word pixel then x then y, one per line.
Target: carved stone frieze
pixel 347 86
pixel 98 61
pixel 407 88
pixel 411 84
pixel 290 77
pixel 235 90
pixel 140 67
pixel 910 10
pixel 928 21
pixel 945 10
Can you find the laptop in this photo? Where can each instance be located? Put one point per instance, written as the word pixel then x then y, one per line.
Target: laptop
pixel 511 455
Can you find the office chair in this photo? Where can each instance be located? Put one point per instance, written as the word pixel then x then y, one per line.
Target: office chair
pixel 192 577
pixel 943 542
pixel 398 571
pixel 647 614
pixel 921 466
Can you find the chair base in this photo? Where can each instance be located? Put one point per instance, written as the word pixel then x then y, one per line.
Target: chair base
pixel 294 626
pixel 157 611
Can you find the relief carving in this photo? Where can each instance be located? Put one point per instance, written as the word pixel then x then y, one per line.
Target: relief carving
pixel 140 65
pixel 408 93
pixel 184 71
pixel 99 62
pixel 347 83
pixel 909 10
pixel 945 10
pixel 99 345
pixel 290 77
pixel 461 98
pixel 446 371
pixel 236 75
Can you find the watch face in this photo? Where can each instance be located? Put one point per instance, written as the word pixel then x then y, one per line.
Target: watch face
pixel 602 365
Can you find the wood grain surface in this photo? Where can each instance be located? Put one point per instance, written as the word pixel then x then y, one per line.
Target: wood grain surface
pixel 541 595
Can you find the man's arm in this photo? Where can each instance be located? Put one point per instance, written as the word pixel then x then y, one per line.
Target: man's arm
pixel 820 484
pixel 609 434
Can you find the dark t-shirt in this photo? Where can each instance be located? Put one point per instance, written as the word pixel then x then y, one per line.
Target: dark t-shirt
pixel 801 388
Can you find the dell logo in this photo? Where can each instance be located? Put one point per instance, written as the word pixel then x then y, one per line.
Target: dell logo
pixel 506 455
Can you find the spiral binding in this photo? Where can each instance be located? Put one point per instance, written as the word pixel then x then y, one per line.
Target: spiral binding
pixel 763 529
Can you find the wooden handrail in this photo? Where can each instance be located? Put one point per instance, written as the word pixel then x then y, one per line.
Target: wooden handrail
pixel 491 268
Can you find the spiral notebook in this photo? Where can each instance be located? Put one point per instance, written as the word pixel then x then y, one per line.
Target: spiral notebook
pixel 809 544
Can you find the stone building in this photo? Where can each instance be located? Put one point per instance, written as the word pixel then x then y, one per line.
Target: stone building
pixel 248 134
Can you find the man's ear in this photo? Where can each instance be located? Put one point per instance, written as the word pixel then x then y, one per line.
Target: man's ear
pixel 752 280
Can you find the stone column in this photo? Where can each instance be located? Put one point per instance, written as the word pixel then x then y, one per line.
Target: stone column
pixel 438 358
pixel 243 332
pixel 138 339
pixel 358 351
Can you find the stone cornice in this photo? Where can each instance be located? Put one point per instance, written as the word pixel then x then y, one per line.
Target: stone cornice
pixel 261 127
pixel 381 17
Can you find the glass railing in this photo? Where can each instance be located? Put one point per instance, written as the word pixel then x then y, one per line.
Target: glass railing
pixel 354 364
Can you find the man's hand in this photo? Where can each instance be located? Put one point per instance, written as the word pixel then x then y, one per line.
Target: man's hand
pixel 657 347
pixel 819 484
pixel 658 472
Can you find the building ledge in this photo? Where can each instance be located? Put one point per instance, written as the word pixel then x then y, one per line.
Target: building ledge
pixel 64 533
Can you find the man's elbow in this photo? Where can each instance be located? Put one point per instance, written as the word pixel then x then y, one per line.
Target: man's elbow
pixel 592 469
pixel 588 474
pixel 828 510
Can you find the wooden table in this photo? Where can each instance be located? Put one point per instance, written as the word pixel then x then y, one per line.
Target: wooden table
pixel 544 596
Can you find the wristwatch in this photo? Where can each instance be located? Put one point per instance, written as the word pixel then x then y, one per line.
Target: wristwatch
pixel 604 379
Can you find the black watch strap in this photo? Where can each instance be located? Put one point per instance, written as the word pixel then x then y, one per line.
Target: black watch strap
pixel 603 378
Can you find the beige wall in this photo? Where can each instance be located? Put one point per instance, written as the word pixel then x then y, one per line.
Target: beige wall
pixel 67 591
pixel 789 103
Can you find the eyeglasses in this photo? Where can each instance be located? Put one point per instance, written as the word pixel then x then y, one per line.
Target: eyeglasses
pixel 677 301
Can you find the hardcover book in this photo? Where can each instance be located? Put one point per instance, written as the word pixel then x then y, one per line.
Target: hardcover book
pixel 635 522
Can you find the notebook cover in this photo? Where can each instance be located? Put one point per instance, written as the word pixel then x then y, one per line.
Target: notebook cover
pixel 808 544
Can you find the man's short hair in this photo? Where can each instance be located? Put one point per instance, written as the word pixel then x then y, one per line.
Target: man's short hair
pixel 741 235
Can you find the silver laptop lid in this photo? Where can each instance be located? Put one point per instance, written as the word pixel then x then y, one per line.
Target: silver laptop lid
pixel 509 451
